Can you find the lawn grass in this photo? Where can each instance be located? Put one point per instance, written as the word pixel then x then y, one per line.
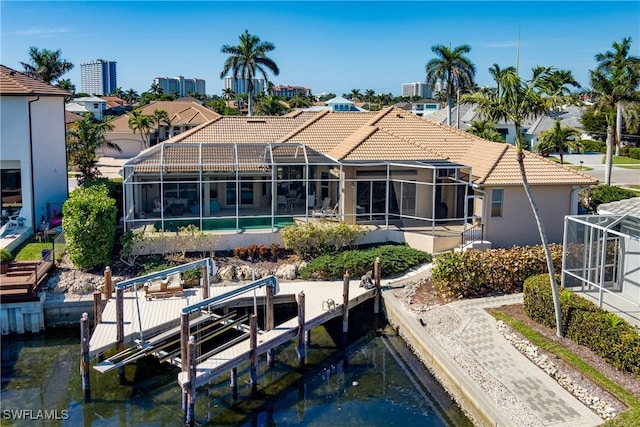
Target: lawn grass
pixel 622 160
pixel 580 168
pixel 631 417
pixel 32 251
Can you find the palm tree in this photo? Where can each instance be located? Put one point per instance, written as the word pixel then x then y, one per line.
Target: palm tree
pixel 156 89
pixel 452 66
pixel 615 82
pixel 559 138
pixel 519 100
pixel 158 117
pixel 45 64
pixel 369 95
pixel 142 123
pixel 228 93
pixel 247 59
pixel 84 137
pixel 119 92
pixel 355 95
pixel 497 73
pixel 131 96
pixel 486 130
pixel 270 88
pixel 65 84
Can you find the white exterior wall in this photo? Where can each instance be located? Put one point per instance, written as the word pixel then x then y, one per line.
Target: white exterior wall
pixel 49 153
pixel 517 225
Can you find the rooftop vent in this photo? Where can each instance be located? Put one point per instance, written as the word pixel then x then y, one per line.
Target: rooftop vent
pixel 256 121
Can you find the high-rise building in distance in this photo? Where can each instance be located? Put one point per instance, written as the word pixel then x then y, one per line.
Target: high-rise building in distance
pixel 241 85
pixel 416 89
pixel 180 85
pixel 98 77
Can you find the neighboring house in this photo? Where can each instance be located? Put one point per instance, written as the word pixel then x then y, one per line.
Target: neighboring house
pixel 291 91
pixel 115 106
pixel 183 116
pixel 88 104
pixel 424 107
pixel 569 117
pixel 32 145
pixel 70 117
pixel 336 104
pixel 602 257
pixel 409 179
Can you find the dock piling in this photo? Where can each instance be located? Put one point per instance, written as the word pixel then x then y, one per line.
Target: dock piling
pixel 205 282
pixel 377 271
pixel 234 383
pixel 269 322
pixel 97 308
pixel 120 328
pixel 191 386
pixel 108 284
pixel 301 331
pixel 84 359
pixel 345 306
pixel 253 340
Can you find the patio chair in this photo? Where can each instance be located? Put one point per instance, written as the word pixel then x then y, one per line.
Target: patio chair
pixel 167 287
pixel 325 205
pixel 15 220
pixel 282 202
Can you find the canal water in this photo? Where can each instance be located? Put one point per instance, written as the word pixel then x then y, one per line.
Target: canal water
pixel 376 381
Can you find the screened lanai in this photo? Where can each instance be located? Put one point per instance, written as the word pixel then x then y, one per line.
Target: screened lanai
pixel 233 187
pixel 602 260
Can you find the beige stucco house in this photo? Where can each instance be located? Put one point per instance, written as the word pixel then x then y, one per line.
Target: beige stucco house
pixel 183 115
pixel 406 178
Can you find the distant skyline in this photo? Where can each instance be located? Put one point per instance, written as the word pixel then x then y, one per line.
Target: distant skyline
pixel 326 46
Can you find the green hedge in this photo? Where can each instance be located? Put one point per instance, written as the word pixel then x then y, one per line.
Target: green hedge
pixel 478 273
pixel 393 259
pixel 312 239
pixel 593 197
pixel 605 333
pixel 634 152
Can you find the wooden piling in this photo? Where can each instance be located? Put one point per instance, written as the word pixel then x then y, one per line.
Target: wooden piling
pixel 205 282
pixel 184 341
pixel 377 272
pixel 269 322
pixel 234 383
pixel 345 305
pixel 108 284
pixel 97 308
pixel 84 359
pixel 191 386
pixel 253 340
pixel 120 329
pixel 301 331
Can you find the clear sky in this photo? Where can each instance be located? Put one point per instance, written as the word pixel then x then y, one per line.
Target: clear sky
pixel 327 46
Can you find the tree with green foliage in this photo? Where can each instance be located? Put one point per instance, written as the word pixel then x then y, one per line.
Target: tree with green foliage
pixel 592 197
pixel 158 117
pixel 142 123
pixel 519 100
pixel 486 130
pixel 156 89
pixel 270 106
pixel 84 137
pixel 559 138
pixel 131 96
pixel 65 84
pixel 355 95
pixel 248 59
pixel 498 74
pixel 46 65
pixel 89 221
pixel 453 68
pixel 614 87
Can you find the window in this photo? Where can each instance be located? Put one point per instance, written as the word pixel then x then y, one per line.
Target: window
pixel 497 199
pixel 11 182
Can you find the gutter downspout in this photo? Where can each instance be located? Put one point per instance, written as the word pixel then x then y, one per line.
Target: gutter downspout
pixel 33 185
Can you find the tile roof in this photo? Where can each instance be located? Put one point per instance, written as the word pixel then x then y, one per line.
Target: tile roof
pixel 391 134
pixel 180 113
pixel 13 82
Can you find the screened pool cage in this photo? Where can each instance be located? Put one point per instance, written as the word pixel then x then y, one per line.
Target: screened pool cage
pixel 602 258
pixel 233 187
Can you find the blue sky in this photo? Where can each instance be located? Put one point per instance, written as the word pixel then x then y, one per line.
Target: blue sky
pixel 326 46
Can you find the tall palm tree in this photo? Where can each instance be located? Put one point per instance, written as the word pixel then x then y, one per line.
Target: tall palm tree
pixel 369 96
pixel 247 59
pixel 486 130
pixel 158 117
pixel 559 138
pixel 270 106
pixel 453 67
pixel 84 137
pixel 65 84
pixel 156 89
pixel 228 93
pixel 142 123
pixel 355 95
pixel 498 73
pixel 131 96
pixel 622 74
pixel 46 65
pixel 519 100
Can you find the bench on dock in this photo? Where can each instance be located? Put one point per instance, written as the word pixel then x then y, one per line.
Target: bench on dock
pixel 165 288
pixel 23 280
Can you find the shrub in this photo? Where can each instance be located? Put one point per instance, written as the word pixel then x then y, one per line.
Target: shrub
pixel 192 277
pixel 593 197
pixel 634 153
pixel 275 250
pixel 5 255
pixel 605 333
pixel 89 226
pixel 591 146
pixel 311 239
pixel 251 251
pixel 394 259
pixel 478 273
pixel 262 252
pixel 240 252
pixel 114 189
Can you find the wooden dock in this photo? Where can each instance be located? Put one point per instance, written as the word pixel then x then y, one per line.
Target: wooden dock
pixel 159 315
pixel 23 280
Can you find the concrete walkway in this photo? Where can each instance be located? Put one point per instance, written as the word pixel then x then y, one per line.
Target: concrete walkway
pixel 619 176
pixel 492 380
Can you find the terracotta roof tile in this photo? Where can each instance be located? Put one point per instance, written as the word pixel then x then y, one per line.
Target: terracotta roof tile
pixel 179 112
pixel 13 82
